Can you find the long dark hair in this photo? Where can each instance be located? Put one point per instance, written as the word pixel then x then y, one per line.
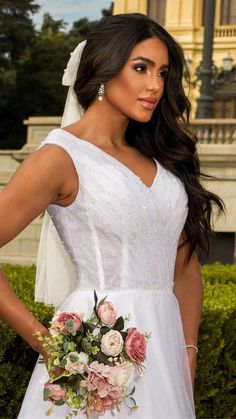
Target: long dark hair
pixel 166 136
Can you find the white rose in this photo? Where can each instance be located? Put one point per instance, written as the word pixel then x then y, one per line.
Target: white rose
pixel 76 362
pixel 122 375
pixel 112 343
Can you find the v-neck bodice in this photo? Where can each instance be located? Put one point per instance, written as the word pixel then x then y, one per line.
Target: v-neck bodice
pixel 119 232
pixel 115 160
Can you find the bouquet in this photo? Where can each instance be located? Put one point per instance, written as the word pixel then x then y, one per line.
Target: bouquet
pixel 92 364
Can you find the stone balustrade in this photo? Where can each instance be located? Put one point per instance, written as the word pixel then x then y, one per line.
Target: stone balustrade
pixel 225 31
pixel 215 131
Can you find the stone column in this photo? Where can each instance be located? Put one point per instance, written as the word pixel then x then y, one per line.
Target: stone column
pixel 130 6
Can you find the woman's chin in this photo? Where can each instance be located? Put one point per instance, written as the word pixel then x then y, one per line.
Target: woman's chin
pixel 142 118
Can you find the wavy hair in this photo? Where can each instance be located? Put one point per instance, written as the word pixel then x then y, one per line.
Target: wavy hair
pixel 166 136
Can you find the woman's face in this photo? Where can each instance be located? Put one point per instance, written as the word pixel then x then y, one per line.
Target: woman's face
pixel 138 87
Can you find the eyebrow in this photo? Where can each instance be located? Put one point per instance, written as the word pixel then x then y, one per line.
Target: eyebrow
pixel 148 61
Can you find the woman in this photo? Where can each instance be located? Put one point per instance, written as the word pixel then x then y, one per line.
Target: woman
pixel 122 188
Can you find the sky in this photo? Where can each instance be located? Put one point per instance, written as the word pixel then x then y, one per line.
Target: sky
pixel 70 10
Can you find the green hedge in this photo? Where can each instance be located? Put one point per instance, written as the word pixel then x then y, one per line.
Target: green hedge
pixel 17 359
pixel 215 383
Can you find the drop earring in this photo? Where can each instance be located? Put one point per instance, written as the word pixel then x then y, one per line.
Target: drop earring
pixel 101 92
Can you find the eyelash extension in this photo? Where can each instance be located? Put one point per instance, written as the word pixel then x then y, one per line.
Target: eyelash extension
pixel 163 74
pixel 142 66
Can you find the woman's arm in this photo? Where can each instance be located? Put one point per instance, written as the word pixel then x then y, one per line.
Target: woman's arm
pixel 188 289
pixel 46 177
pixel 40 180
pixel 15 314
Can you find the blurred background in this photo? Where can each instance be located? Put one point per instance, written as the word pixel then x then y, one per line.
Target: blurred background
pixel 36 37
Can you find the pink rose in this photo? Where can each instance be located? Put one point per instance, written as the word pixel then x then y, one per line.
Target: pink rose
pixel 107 313
pixel 98 405
pixel 66 322
pixel 97 379
pixel 54 392
pixel 135 345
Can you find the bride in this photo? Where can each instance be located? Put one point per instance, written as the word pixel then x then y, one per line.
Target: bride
pixel 121 185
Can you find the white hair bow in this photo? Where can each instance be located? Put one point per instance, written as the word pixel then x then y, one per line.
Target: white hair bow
pixel 70 72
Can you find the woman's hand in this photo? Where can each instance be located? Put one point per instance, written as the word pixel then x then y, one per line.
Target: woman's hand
pixel 45 353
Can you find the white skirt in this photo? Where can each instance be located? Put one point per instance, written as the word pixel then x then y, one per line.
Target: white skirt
pixel 165 391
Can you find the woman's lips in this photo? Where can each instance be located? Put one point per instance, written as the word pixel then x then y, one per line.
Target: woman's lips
pixel 148 103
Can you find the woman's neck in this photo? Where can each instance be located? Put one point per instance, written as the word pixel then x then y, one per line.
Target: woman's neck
pixel 103 125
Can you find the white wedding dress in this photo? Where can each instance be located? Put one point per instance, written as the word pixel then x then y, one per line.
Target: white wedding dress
pixel 122 237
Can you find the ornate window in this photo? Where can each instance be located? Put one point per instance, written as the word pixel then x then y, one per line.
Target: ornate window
pixel 157 11
pixel 224 93
pixel 228 12
pixel 225 12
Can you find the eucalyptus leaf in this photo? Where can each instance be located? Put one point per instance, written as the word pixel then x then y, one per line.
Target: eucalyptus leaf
pixel 69 324
pixel 65 346
pixel 73 357
pixel 62 363
pixel 46 394
pixel 59 402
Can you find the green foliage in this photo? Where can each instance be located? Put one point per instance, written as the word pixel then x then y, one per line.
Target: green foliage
pixel 31 66
pixel 82 27
pixel 50 24
pixel 17 34
pixel 16 26
pixel 215 383
pixel 17 359
pixel 218 273
pixel 216 370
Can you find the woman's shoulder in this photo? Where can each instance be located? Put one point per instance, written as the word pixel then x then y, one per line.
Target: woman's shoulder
pixel 55 136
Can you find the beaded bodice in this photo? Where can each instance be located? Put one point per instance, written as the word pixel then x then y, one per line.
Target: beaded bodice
pixel 119 232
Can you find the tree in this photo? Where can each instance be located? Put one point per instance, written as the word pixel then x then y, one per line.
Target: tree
pixel 39 91
pixel 49 24
pixel 108 12
pixel 31 66
pixel 17 33
pixel 82 27
pixel 16 26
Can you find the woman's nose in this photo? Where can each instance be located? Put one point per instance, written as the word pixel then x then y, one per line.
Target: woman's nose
pixel 155 84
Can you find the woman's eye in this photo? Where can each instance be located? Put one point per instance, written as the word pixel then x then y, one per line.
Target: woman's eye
pixel 141 68
pixel 163 74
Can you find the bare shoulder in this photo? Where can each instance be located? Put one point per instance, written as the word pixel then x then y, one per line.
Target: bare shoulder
pixel 50 168
pixel 60 166
pixel 45 177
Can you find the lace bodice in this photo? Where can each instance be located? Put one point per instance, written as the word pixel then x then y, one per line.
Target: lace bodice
pixel 118 232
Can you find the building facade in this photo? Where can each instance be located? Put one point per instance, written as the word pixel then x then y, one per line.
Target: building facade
pixel 184 20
